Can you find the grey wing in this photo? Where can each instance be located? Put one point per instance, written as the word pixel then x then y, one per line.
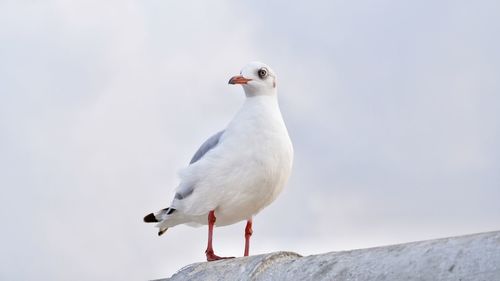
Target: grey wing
pixel 186 190
pixel 206 146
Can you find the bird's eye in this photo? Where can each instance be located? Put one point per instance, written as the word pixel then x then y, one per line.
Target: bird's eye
pixel 262 73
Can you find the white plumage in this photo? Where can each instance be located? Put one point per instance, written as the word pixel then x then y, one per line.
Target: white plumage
pixel 242 169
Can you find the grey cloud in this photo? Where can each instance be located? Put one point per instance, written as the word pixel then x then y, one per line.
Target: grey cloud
pixel 392 108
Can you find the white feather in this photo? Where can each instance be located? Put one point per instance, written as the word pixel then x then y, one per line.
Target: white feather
pixel 247 169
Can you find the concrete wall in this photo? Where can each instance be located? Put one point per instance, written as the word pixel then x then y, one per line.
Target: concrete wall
pixel 471 257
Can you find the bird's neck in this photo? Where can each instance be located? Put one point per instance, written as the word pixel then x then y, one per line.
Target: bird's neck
pixel 251 92
pixel 264 108
pixel 261 100
pixel 257 113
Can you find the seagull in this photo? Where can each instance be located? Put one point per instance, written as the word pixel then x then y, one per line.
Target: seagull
pixel 238 171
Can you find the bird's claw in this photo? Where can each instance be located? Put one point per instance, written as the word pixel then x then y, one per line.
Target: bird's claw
pixel 213 257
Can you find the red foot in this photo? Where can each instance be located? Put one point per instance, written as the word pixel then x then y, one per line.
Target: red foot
pixel 213 257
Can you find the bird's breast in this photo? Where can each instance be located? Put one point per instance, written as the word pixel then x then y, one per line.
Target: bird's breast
pixel 259 163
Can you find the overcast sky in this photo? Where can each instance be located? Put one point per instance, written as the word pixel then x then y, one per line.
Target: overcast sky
pixel 393 108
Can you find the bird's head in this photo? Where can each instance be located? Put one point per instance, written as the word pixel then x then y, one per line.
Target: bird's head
pixel 257 79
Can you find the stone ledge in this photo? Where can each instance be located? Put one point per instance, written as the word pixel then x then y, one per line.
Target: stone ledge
pixel 471 257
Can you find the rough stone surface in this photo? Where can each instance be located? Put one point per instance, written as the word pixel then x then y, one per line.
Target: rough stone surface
pixel 471 257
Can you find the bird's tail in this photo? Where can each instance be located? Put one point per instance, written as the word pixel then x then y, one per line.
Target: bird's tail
pixel 161 217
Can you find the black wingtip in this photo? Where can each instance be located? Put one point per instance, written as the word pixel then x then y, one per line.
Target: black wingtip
pixel 169 210
pixel 150 218
pixel 162 231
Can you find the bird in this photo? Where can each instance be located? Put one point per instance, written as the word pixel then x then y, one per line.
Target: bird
pixel 238 171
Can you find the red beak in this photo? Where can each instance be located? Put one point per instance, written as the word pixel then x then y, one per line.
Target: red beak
pixel 238 79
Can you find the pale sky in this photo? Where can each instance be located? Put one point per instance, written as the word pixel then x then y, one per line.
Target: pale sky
pixel 393 108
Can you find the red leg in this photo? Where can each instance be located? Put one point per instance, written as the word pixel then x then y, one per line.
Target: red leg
pixel 248 233
pixel 210 250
